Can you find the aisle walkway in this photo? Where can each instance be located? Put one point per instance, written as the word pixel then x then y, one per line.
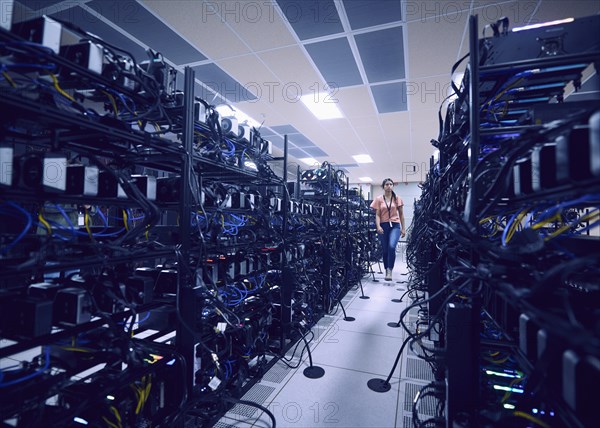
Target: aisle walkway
pixel 351 353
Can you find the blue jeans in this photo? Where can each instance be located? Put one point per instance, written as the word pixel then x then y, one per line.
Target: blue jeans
pixel 389 240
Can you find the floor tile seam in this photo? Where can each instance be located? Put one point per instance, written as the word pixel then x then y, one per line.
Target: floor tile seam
pixel 399 411
pixel 237 422
pixel 358 371
pixel 372 334
pixel 384 321
pixel 399 337
pixel 379 312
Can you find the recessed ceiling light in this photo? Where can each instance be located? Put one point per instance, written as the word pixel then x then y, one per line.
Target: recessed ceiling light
pixel 363 158
pixel 366 179
pixel 310 161
pixel 323 106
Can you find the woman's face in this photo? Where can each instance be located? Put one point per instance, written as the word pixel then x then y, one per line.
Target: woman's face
pixel 388 185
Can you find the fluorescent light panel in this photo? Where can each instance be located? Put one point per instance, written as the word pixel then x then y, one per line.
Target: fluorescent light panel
pixel 366 179
pixel 310 161
pixel 323 106
pixel 364 158
pixel 544 24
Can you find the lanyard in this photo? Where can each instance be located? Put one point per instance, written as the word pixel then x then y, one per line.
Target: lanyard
pixel 389 208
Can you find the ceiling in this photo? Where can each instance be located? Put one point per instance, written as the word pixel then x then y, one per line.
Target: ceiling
pixel 386 64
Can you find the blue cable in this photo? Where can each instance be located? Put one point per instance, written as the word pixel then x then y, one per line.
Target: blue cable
pixel 25 65
pixel 25 229
pixel 29 376
pixel 66 217
pixel 31 44
pixel 231 147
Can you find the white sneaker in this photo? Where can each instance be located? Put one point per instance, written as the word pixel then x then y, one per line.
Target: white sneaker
pixel 388 274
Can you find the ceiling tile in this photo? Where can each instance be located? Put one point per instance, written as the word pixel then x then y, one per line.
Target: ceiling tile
pixel 219 81
pixel 266 132
pixel 550 10
pixel 143 25
pixel 423 128
pixel 428 93
pixel 439 11
pixel 37 4
pixel 207 95
pixel 371 134
pixel 257 23
pixel 433 46
pixel 201 23
pixel 296 74
pixel 382 54
pixel 251 73
pixel 297 153
pixel 90 23
pixel 390 97
pixel 347 137
pixel 355 102
pixel 315 152
pixel 311 18
pixel 285 129
pixel 335 61
pixel 300 140
pixel 367 13
pixel 276 140
pixel 396 127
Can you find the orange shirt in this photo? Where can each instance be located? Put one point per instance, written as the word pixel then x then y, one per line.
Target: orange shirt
pixel 385 214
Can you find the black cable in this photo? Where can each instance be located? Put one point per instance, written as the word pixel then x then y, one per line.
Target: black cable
pixel 252 404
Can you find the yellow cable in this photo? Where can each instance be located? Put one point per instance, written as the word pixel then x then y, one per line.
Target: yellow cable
pixel 497 97
pixel 45 223
pixel 113 102
pixel 109 423
pixel 9 79
pixel 74 349
pixel 531 418
pixel 125 220
pixel 138 396
pixel 115 412
pixel 594 215
pixel 515 225
pixel 508 393
pixel 59 89
pixel 555 217
pixel 86 222
pixel 494 224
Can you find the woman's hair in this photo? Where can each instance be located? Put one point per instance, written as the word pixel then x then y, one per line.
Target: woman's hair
pixel 385 181
pixel 395 198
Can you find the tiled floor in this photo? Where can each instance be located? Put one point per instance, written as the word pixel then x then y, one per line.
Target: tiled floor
pixel 351 353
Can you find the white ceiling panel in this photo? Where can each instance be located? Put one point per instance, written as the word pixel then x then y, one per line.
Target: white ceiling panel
pixel 352 102
pixel 202 25
pixel 428 45
pixel 257 23
pixel 295 72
